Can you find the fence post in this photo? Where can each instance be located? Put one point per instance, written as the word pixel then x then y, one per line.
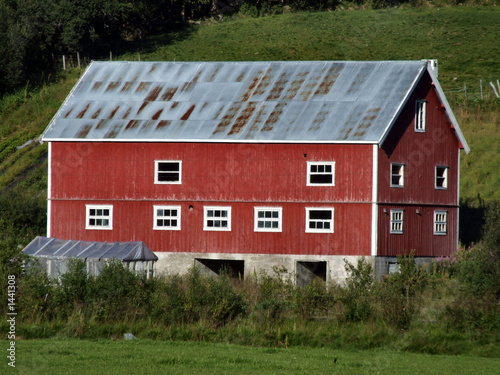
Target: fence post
pixel 64 62
pixel 494 90
pixel 110 56
pixel 78 58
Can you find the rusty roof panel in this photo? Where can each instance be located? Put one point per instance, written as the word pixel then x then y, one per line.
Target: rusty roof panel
pixel 319 101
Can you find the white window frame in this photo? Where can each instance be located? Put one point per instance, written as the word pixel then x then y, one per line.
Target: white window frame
pixel 322 230
pixel 444 177
pixel 397 221
pixel 176 217
pixel 440 223
pixel 420 115
pixel 227 218
pixel 157 172
pixel 320 164
pixel 88 216
pixel 265 210
pixel 401 174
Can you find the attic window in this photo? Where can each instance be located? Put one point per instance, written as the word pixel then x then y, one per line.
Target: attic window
pixel 321 173
pixel 441 177
pixel 99 217
pixel 168 171
pixel 420 109
pixel 397 175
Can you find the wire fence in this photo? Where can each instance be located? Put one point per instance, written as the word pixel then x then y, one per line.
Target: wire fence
pixel 484 90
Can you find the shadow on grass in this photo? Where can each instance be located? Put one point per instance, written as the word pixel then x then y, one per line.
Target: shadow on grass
pixel 152 43
pixel 472 220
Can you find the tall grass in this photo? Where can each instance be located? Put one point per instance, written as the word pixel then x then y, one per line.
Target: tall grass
pixel 413 310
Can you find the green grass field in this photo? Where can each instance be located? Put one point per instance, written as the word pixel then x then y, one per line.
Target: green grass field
pixel 58 356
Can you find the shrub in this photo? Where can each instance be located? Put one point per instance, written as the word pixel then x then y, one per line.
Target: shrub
pixel 313 299
pixel 114 293
pixel 35 296
pixel 479 267
pixel 226 303
pixel 196 297
pixel 397 293
pixel 167 300
pixel 274 295
pixel 356 294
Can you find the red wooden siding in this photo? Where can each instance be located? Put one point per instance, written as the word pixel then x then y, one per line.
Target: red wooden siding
pixel 420 153
pixel 238 175
pixel 221 172
pixel 418 232
pixel 133 221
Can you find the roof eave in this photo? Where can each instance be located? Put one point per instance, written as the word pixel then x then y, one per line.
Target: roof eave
pixel 171 140
pixel 68 97
pixel 449 112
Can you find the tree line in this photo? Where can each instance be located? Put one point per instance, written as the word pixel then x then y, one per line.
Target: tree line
pixel 34 32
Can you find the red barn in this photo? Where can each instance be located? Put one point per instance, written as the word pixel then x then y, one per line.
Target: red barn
pixel 256 164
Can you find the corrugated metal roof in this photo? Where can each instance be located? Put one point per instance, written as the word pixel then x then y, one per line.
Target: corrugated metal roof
pixel 54 248
pixel 299 101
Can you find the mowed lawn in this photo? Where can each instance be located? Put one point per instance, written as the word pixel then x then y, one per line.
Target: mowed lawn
pixel 72 356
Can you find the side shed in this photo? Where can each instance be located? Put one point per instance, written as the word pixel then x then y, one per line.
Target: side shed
pixel 54 254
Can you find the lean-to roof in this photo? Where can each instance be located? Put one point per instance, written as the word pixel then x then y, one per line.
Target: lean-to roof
pixel 54 248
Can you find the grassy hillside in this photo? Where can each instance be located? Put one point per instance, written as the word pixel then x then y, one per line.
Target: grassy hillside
pixel 463 39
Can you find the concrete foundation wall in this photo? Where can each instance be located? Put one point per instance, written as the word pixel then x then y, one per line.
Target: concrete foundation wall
pixel 256 264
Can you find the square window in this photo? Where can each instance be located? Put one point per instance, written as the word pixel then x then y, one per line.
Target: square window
pixel 397 221
pixel 441 177
pixel 397 175
pixel 321 173
pixel 217 218
pixel 267 219
pixel 99 217
pixel 440 219
pixel 168 171
pixel 167 217
pixel 319 220
pixel 420 109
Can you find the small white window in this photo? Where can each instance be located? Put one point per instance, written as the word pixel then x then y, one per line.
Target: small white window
pixel 267 219
pixel 99 217
pixel 321 173
pixel 397 175
pixel 167 217
pixel 319 220
pixel 441 177
pixel 420 108
pixel 168 171
pixel 217 218
pixel 440 222
pixel 397 221
pixel 393 268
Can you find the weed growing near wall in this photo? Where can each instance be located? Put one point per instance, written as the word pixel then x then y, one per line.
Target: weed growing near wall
pixel 417 309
